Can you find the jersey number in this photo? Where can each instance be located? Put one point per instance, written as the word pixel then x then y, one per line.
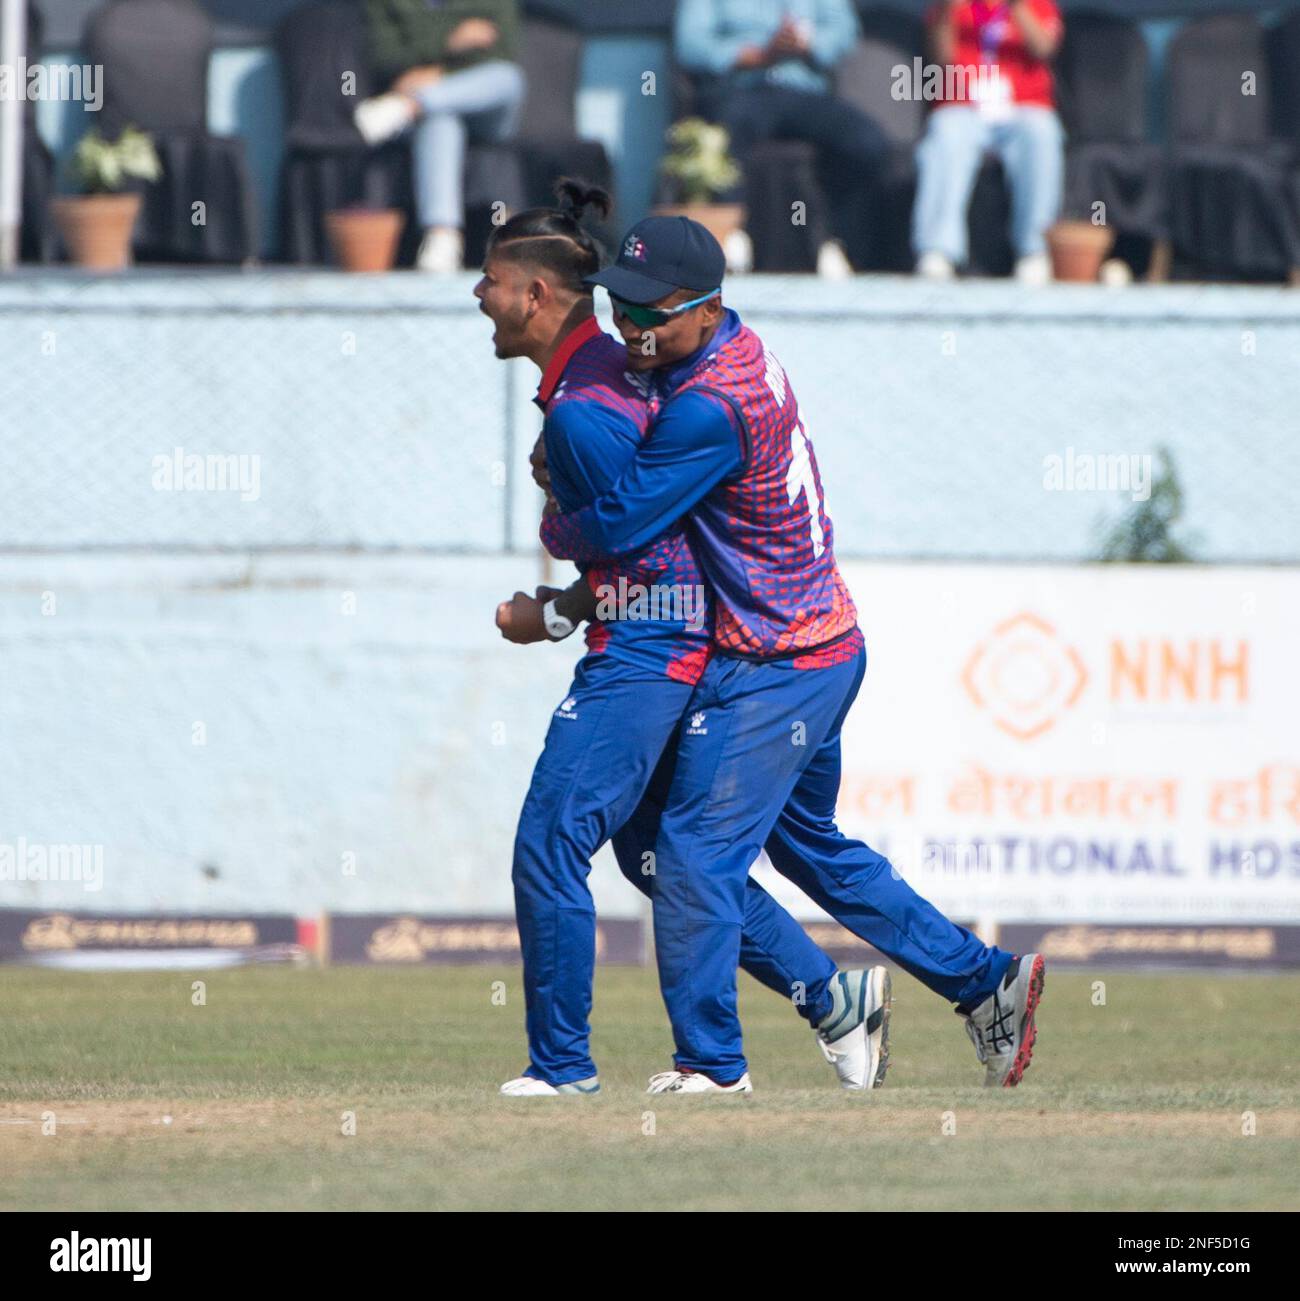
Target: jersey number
pixel 799 479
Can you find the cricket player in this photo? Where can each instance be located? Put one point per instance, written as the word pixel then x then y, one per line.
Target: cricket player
pixel 759 764
pixel 608 737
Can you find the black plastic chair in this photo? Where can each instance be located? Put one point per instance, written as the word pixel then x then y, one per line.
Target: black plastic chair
pixel 36 242
pixel 155 58
pixel 864 78
pixel 548 140
pixel 896 28
pixel 1283 41
pixel 1103 83
pixel 1284 65
pixel 326 162
pixel 1232 209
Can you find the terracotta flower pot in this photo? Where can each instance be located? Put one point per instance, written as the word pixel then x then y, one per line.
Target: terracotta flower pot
pixel 365 239
pixel 96 228
pixel 719 219
pixel 1078 249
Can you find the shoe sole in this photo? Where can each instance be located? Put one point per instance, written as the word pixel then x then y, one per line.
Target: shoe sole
pixel 701 1093
pixel 886 1005
pixel 1028 1030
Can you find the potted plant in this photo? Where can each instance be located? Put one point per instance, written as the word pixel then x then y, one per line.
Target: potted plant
pixel 96 224
pixel 700 168
pixel 364 239
pixel 1078 248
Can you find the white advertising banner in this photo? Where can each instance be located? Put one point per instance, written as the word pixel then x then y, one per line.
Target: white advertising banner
pixel 1111 744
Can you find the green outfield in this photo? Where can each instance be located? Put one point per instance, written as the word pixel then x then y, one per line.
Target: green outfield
pixel 1146 1101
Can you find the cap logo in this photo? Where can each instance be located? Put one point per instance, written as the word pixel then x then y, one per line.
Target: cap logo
pixel 634 248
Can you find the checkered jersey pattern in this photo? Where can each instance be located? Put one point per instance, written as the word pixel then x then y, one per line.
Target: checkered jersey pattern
pixel 763 536
pixel 597 372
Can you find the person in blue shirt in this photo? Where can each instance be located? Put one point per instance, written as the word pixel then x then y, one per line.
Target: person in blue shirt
pixel 603 773
pixel 764 71
pixel 761 759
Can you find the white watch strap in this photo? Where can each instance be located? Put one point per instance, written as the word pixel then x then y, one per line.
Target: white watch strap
pixel 558 627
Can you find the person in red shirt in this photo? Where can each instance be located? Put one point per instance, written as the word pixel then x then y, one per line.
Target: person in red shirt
pixel 995 93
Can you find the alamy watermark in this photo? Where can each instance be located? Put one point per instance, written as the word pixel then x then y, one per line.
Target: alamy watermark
pixel 671 602
pixel 1099 472
pixel 35 861
pixel 61 82
pixel 184 471
pixel 935 82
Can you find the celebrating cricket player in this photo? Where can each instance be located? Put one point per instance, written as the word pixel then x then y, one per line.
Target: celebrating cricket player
pixel 600 774
pixel 759 763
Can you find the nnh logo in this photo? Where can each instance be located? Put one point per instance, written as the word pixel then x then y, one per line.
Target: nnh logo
pixel 1025 676
pixel 1200 670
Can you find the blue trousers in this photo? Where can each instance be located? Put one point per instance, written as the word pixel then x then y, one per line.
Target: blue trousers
pixel 760 766
pixel 479 104
pixel 606 768
pixel 1031 145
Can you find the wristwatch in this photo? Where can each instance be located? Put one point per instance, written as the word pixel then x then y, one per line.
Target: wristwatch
pixel 557 626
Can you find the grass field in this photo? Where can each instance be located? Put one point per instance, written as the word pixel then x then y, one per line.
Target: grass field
pixel 1137 1104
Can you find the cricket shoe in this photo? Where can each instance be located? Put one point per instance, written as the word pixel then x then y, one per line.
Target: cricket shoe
pixel 694 1082
pixel 528 1087
pixel 1002 1026
pixel 854 1034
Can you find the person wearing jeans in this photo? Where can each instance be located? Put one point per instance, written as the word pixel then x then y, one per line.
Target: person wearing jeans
pixel 998 96
pixel 454 81
pixel 765 71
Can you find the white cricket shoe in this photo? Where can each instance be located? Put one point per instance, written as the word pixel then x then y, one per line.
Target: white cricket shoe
pixel 1034 270
pixel 383 117
pixel 935 266
pixel 528 1087
pixel 833 262
pixel 694 1082
pixel 738 249
pixel 1002 1026
pixel 854 1034
pixel 441 250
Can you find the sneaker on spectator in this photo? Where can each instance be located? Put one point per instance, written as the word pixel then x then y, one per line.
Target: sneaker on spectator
pixel 1116 273
pixel 832 261
pixel 1034 269
pixel 382 117
pixel 934 266
pixel 738 249
pixel 441 251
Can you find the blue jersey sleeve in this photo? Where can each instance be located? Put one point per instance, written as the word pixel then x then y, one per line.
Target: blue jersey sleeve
pixel 587 447
pixel 695 444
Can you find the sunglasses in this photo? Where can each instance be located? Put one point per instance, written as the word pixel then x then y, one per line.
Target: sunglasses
pixel 649 317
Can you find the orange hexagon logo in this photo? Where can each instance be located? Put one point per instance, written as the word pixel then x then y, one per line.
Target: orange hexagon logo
pixel 1025 676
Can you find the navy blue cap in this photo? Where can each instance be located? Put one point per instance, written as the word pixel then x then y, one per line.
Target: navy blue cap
pixel 660 255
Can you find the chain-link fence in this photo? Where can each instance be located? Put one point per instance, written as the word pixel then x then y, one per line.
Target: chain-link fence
pixel 287 411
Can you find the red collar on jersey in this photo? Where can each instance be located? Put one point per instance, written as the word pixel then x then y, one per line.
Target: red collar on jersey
pixel 555 368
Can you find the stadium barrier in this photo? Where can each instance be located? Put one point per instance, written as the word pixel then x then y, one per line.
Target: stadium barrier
pixel 254 412
pixel 282 692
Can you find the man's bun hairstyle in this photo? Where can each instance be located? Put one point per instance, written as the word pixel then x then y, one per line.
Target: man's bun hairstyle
pixel 554 239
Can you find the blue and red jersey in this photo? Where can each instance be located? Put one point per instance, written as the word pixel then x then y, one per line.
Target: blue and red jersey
pixel 729 447
pixel 596 416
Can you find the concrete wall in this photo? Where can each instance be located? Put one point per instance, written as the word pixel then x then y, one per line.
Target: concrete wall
pixel 379 419
pixel 230 695
pixel 228 733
